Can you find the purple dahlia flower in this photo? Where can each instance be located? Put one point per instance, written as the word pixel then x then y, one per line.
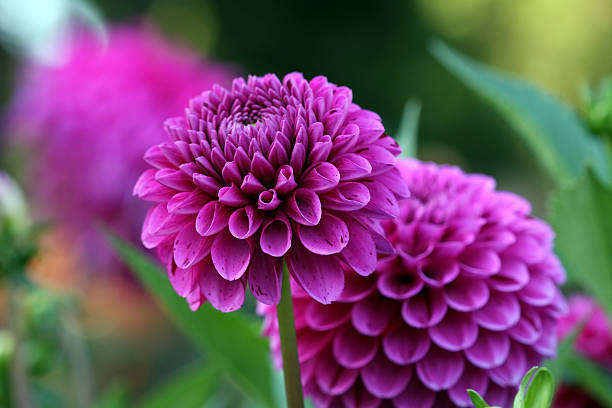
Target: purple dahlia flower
pixel 263 171
pixel 87 122
pixel 469 300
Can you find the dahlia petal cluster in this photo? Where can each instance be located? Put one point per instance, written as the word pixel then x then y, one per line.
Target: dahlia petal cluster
pixel 594 341
pixel 469 300
pixel 264 171
pixel 86 123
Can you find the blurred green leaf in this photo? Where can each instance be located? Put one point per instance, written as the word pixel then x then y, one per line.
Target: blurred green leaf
pixel 407 133
pixel 541 390
pixel 592 378
pixel 553 131
pixel 519 399
pixel 116 396
pixel 477 399
pixel 231 340
pixel 581 216
pixel 190 388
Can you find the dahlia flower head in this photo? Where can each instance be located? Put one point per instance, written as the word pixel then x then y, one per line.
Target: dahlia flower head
pixel 86 123
pixel 267 171
pixel 469 300
pixel 594 337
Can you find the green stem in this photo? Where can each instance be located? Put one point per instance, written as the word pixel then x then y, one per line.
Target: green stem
pixel 286 328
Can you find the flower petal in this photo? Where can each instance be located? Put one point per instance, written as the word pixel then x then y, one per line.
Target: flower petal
pixel 230 256
pixel 501 312
pixel 382 204
pixel 223 295
pixel 352 349
pixel 490 349
pixel 321 177
pixel 304 207
pixel 183 281
pixel 265 277
pixel 311 342
pixel 406 345
pixel 332 377
pixel 512 276
pixel 440 369
pixel 509 374
pixel 371 315
pixel 276 235
pixel 212 218
pixel 190 247
pixel 321 276
pixel 356 287
pixel 415 395
pixel 472 378
pixel 327 317
pixel 383 378
pixel 425 309
pixel 328 237
pixel 399 286
pixel 360 252
pixel 480 261
pixel 244 222
pixel 529 327
pixel 349 196
pixel 352 166
pixel 540 291
pixel 466 295
pixel 455 332
pixel 187 202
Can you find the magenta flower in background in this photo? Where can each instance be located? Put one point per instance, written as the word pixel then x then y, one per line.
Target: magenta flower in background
pixel 470 300
pixel 594 341
pixel 87 122
pixel 263 171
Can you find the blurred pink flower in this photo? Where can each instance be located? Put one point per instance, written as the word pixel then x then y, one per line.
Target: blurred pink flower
pixel 263 171
pixel 88 122
pixel 595 338
pixel 471 300
pixel 594 341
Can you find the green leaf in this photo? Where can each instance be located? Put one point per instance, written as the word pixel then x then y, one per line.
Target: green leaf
pixel 592 378
pixel 541 390
pixel 192 387
pixel 116 396
pixel 477 399
pixel 519 399
pixel 407 132
pixel 553 131
pixel 581 217
pixel 230 340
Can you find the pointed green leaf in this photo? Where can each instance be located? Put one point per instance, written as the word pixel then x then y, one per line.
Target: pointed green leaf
pixel 192 387
pixel 541 390
pixel 519 399
pixel 230 340
pixel 580 215
pixel 553 131
pixel 407 133
pixel 477 399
